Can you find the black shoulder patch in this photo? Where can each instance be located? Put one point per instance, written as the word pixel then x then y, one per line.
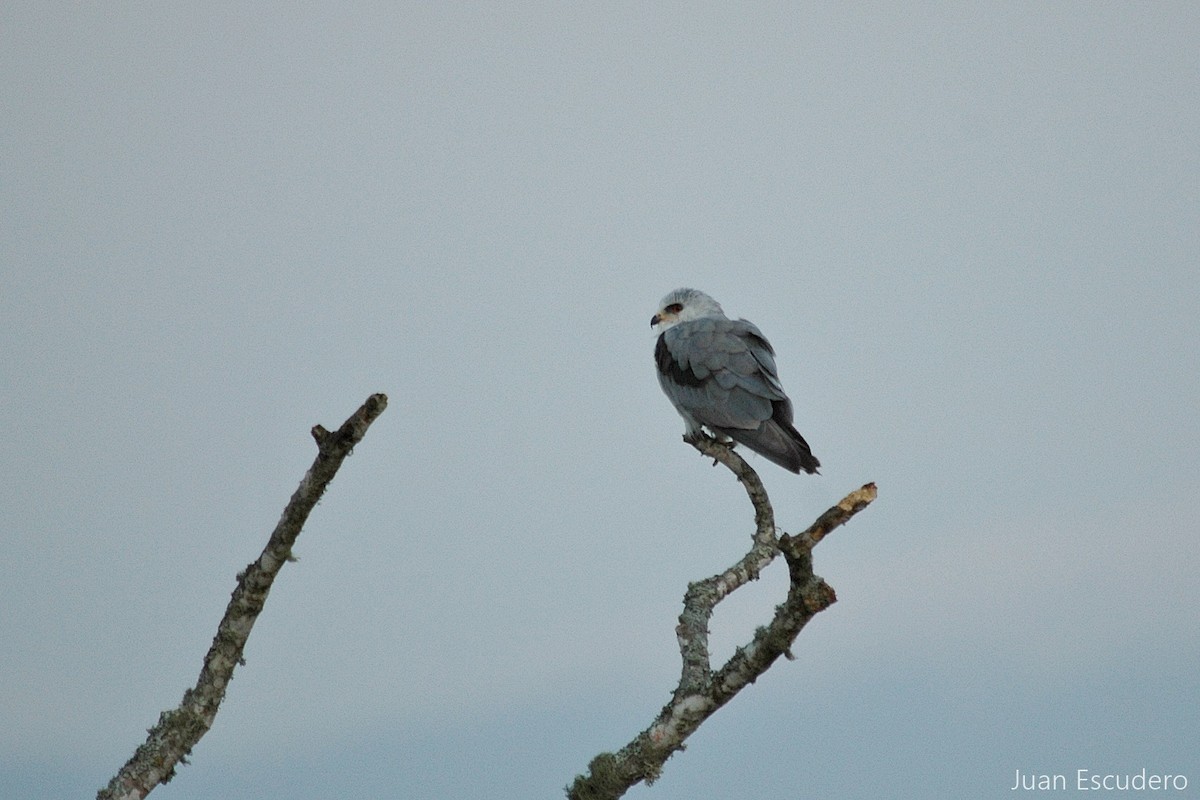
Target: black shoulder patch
pixel 668 366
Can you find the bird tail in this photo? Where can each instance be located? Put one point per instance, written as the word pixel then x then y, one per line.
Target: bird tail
pixel 778 441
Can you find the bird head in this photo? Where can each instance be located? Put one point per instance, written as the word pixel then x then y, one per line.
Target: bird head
pixel 685 305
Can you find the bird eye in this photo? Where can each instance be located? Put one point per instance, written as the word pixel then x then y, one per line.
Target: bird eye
pixel 675 308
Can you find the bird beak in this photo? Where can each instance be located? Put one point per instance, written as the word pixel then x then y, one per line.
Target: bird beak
pixel 655 320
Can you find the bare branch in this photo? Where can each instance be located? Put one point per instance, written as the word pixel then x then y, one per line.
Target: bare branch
pixel 178 730
pixel 701 690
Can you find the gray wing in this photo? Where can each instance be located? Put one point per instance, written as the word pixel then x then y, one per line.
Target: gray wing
pixel 721 373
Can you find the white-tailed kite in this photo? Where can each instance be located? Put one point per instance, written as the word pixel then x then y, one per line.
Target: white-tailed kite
pixel 721 373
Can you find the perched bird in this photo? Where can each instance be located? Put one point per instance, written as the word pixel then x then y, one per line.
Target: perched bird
pixel 720 373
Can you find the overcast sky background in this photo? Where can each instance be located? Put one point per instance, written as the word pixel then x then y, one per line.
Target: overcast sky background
pixel 972 234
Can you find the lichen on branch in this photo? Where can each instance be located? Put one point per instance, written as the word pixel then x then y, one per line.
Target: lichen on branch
pixel 701 689
pixel 178 730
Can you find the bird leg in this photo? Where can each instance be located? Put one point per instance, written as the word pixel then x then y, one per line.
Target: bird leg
pixel 699 435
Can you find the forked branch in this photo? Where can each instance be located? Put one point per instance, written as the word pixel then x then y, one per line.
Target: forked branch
pixel 179 729
pixel 702 690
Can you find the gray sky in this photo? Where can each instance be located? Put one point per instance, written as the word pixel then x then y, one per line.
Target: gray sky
pixel 971 233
